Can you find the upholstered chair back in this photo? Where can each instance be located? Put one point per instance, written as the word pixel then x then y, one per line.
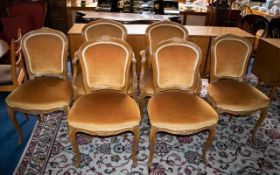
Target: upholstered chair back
pixel 104 27
pixel 105 64
pixel 163 30
pixel 45 53
pixel 229 55
pixel 176 65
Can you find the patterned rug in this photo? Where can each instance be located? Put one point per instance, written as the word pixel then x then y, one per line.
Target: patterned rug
pixel 50 152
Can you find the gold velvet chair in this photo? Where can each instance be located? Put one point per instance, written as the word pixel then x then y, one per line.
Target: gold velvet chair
pixel 155 33
pixel 45 54
pixel 12 75
pixel 95 30
pixel 175 108
pixel 106 109
pixel 227 91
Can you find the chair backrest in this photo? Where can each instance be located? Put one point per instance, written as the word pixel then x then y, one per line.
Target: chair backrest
pixel 105 64
pixel 274 28
pixel 229 57
pixel 252 23
pixel 103 27
pixel 163 30
pixel 15 71
pixel 176 65
pixel 45 53
pixel 35 9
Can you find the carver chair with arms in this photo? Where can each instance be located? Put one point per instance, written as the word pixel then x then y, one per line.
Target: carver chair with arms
pixel 106 109
pixel 227 91
pixel 12 75
pixel 47 90
pixel 95 30
pixel 175 108
pixel 156 33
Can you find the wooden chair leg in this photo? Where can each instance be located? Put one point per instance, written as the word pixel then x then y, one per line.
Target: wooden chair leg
pixel 273 92
pixel 153 133
pixel 12 117
pixel 211 136
pixel 259 122
pixel 72 136
pixel 135 145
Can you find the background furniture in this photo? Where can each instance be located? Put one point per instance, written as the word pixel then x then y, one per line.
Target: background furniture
pixel 12 75
pixel 274 28
pixel 266 64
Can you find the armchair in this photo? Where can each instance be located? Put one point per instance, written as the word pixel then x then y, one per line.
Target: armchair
pixel 227 92
pixel 105 109
pixel 175 108
pixel 45 54
pixel 95 30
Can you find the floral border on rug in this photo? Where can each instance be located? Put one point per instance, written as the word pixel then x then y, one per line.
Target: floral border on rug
pixel 232 152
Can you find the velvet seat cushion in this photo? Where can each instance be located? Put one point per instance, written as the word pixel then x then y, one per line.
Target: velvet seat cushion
pixel 104 110
pixel 44 93
pixel 180 111
pixel 234 96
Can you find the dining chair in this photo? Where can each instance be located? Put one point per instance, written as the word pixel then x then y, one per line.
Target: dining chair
pixel 175 108
pixel 35 9
pixel 12 75
pixel 227 91
pixel 95 30
pixel 47 90
pixel 105 109
pixel 155 33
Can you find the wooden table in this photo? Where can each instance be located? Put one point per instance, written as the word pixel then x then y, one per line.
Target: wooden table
pixel 267 63
pixel 265 14
pixel 201 35
pixel 4 48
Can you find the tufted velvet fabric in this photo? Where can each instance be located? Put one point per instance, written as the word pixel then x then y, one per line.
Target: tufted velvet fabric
pixel 180 111
pixel 43 93
pixel 104 111
pixel 236 97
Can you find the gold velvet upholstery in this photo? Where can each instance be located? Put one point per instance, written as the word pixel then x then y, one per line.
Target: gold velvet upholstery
pixel 155 34
pixel 13 74
pixel 105 109
pixel 227 92
pixel 98 29
pixel 48 88
pixel 175 108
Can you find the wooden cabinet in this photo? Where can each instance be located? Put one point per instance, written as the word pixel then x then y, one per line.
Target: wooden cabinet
pixel 56 15
pixel 267 63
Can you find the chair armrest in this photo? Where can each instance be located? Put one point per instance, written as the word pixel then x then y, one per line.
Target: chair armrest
pixel 143 55
pixel 134 74
pixel 75 65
